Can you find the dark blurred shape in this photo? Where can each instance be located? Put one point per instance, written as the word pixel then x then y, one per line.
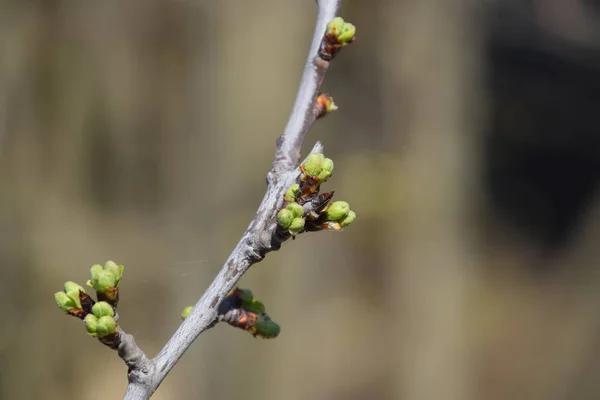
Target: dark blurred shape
pixel 543 147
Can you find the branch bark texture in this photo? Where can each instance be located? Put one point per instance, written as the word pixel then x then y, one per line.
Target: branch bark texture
pixel 146 375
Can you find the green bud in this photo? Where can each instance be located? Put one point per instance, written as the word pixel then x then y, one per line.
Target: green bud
pixel 186 312
pixel 72 290
pixel 313 164
pixel 95 269
pixel 91 324
pixel 106 326
pixel 348 220
pixel 343 31
pixel 337 211
pixel 72 286
pixel 253 306
pixel 285 218
pixel 331 106
pixel 297 226
pixel 347 33
pixel 64 302
pixel 246 295
pixel 102 281
pixel 335 26
pixel 291 193
pixel 267 328
pixel 102 308
pixel 296 209
pixel 116 270
pixel 327 170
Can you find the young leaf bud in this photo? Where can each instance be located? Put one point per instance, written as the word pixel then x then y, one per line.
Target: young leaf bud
pixel 186 312
pixel 297 226
pixel 253 306
pixel 313 164
pixel 336 26
pixel 291 193
pixel 337 211
pixel 296 209
pixel 64 302
pixel 327 169
pixel 116 270
pixel 91 324
pixel 348 220
pixel 106 325
pixel 101 280
pixel 267 328
pixel 347 33
pixel 72 287
pixel 285 218
pixel 102 309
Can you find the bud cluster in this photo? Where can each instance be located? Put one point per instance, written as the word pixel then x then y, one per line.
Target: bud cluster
pixel 99 318
pixel 338 35
pixel 241 310
pixel 309 210
pixel 105 280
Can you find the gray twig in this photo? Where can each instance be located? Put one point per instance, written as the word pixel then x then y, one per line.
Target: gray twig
pixel 260 237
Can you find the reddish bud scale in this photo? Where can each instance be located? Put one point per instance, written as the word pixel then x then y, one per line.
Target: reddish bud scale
pixel 111 297
pixel 86 303
pixel 330 46
pixel 242 319
pixel 113 340
pixel 322 104
pixel 309 187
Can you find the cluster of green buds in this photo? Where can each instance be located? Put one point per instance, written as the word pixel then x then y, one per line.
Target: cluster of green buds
pixel 339 34
pixel 291 218
pixel 105 280
pixel 241 310
pixel 99 317
pixel 317 166
pixel 309 210
pixel 101 321
pixel 338 215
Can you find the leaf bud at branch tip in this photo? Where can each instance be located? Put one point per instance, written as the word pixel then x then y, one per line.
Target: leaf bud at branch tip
pixel 327 170
pixel 64 302
pixel 338 35
pixel 313 164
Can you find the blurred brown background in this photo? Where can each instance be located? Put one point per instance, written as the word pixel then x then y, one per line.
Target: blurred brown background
pixel 467 141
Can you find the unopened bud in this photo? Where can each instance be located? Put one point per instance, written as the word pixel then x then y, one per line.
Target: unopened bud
pixel 297 226
pixel 102 309
pixel 348 220
pixel 337 211
pixel 285 218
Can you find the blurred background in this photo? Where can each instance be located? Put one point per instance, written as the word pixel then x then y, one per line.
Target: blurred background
pixel 467 141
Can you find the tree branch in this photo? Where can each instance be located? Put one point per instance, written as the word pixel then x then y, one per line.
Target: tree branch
pixel 260 237
pixel 302 116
